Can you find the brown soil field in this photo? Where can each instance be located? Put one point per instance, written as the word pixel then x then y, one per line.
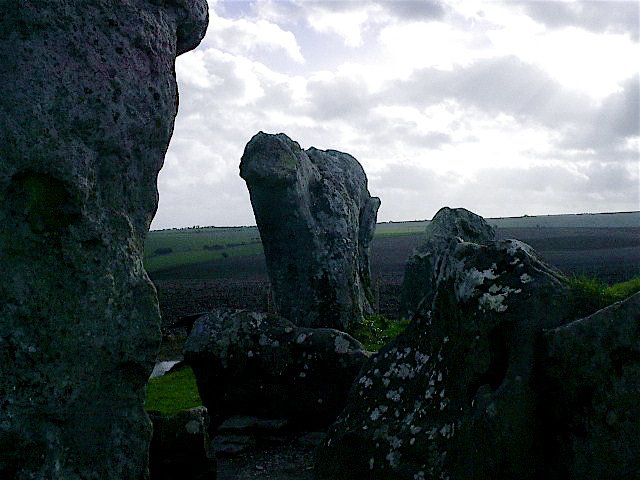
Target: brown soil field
pixel 611 254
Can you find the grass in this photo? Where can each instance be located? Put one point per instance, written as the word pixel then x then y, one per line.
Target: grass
pixel 154 263
pixel 377 330
pixel 173 392
pixel 588 295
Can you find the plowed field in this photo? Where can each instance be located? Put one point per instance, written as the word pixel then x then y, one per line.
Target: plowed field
pixel 611 254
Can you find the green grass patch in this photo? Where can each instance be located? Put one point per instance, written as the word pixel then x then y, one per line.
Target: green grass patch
pixel 173 392
pixel 172 248
pixel 588 295
pixel 377 330
pixel 188 257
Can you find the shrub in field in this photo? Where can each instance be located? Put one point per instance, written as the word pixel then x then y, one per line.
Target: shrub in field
pixel 163 251
pixel 589 294
pixel 173 392
pixel 377 330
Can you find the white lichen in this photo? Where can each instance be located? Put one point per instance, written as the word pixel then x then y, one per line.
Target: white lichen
pixel 525 278
pixel 393 395
pixel 492 302
pixel 366 381
pixel 393 457
pixel 466 287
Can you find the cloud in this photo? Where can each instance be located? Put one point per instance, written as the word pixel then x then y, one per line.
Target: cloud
pixel 509 86
pixel 494 192
pixel 249 37
pixel 597 16
pixel 413 10
pixel 443 104
pixel 334 96
pixel 608 130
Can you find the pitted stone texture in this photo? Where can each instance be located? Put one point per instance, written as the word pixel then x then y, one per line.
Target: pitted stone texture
pixel 86 112
pixel 592 393
pixel 447 224
pixel 453 396
pixel 316 220
pixel 261 365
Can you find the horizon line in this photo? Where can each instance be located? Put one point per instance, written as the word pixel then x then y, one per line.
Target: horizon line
pixel 412 221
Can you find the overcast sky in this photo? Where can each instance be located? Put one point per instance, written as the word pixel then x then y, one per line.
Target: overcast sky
pixel 504 108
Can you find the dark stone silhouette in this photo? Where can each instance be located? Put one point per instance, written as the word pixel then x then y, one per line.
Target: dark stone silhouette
pixel 261 365
pixel 180 447
pixel 420 271
pixel 454 396
pixel 86 113
pixel 591 388
pixel 316 220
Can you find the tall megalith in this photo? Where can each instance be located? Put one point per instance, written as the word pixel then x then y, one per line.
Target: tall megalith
pixel 316 220
pixel 87 109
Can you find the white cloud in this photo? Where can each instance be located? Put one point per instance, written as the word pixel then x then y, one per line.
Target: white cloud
pixel 482 105
pixel 415 45
pixel 581 60
pixel 347 25
pixel 244 36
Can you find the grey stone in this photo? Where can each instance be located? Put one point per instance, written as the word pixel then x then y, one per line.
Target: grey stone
pixel 180 446
pixel 454 396
pixel 252 432
pixel 230 445
pixel 316 220
pixel 87 109
pixel 238 423
pixel 261 365
pixel 591 397
pixel 419 276
pixel 242 424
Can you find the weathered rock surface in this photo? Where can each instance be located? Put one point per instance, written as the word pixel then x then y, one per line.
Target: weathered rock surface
pixel 262 365
pixel 316 219
pixel 240 434
pixel 86 113
pixel 420 270
pixel 454 395
pixel 180 446
pixel 592 395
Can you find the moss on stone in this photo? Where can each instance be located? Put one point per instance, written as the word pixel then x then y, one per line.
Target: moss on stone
pixel 377 330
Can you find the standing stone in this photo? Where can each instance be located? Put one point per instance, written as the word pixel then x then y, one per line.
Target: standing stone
pixel 447 224
pixel 316 219
pixel 591 401
pixel 454 396
pixel 86 113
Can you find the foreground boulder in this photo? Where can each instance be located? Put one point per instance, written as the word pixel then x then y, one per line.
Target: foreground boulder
pixel 454 395
pixel 592 395
pixel 316 221
pixel 180 447
pixel 262 365
pixel 419 276
pixel 86 113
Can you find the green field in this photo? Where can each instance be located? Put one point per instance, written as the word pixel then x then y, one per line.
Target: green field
pixel 171 248
pixel 177 247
